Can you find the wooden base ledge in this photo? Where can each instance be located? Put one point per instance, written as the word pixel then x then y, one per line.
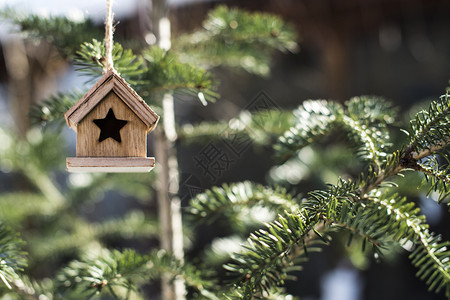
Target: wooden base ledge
pixel 110 164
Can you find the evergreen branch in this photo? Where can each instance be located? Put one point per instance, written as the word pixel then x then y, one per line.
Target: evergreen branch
pixel 93 273
pixel 124 271
pixel 437 175
pixel 91 186
pixel 12 257
pixel 341 207
pixel 405 224
pixel 67 241
pixel 313 120
pixel 366 121
pixel 35 157
pixel 363 118
pixel 431 133
pixel 234 199
pixel 151 74
pixel 380 220
pixel 240 25
pixel 371 110
pixel 430 150
pixel 51 111
pixel 166 73
pixel 17 207
pixel 394 164
pixel 363 222
pixel 65 34
pixel 44 183
pixel 275 294
pixel 367 138
pixel 206 131
pixel 90 60
pixel 270 254
pixel 165 263
pixel 40 152
pixel 401 219
pixel 237 38
pixel 431 129
pixel 64 242
pixel 133 225
pixel 29 289
pixel 324 205
pixel 385 219
pixel 262 128
pixel 431 257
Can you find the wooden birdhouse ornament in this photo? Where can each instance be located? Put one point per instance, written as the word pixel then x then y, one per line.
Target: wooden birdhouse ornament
pixel 112 122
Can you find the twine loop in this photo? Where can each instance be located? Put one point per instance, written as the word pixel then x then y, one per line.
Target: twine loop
pixel 109 65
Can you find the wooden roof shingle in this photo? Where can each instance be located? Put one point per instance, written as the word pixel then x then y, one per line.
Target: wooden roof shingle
pixel 111 82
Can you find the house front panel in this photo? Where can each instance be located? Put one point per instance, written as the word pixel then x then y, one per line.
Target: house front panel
pixel 116 132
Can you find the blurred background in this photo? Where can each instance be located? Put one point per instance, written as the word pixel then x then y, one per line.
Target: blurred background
pixel 397 49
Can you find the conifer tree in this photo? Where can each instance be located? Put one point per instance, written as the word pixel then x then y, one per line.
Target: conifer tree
pixel 72 255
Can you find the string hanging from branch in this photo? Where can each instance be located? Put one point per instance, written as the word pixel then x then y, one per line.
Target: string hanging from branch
pixel 109 65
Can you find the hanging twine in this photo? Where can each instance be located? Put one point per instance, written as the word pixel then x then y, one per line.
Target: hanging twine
pixel 109 65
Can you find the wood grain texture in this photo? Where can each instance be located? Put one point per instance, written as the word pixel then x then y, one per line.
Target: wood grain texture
pixel 133 134
pixel 110 164
pixel 111 82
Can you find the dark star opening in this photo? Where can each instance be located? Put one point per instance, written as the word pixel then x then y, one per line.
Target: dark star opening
pixel 110 127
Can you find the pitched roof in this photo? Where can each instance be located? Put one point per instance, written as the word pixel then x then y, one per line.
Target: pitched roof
pixel 111 82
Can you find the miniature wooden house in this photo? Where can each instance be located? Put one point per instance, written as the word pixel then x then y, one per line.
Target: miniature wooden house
pixel 112 122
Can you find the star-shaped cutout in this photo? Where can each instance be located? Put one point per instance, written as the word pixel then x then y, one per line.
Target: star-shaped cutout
pixel 110 126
